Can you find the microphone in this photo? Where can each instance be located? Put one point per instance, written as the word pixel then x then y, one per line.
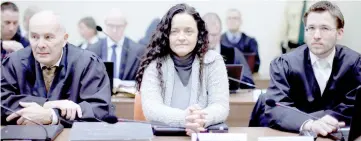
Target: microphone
pixel 100 29
pixel 42 126
pixel 242 82
pixel 273 103
pixel 108 119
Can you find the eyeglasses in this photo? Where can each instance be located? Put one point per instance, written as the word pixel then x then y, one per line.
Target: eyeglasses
pixel 323 29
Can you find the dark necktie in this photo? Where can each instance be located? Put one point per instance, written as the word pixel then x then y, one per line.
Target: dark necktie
pixel 48 75
pixel 114 60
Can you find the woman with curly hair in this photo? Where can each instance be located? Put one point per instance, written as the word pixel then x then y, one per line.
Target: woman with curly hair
pixel 182 83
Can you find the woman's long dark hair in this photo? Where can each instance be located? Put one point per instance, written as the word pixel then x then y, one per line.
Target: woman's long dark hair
pixel 159 48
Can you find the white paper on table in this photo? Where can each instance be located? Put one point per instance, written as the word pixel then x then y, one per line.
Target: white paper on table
pixel 286 138
pixel 257 93
pixel 220 137
pixel 126 83
pixel 124 86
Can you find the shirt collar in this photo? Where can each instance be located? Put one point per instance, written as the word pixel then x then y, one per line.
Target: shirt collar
pixel 230 35
pixel 329 58
pixel 110 42
pixel 57 63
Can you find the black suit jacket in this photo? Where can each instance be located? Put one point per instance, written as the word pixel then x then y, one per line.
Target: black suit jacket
pixel 246 44
pixel 293 83
pixel 81 77
pixel 130 58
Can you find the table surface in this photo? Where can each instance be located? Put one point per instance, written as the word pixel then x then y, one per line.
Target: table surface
pixel 252 134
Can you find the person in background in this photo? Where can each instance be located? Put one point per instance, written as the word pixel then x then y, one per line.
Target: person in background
pixel 87 29
pixel 117 48
pixel 52 81
pixel 319 78
pixel 28 13
pixel 150 30
pixel 231 55
pixel 181 82
pixel 292 27
pixel 11 40
pixel 235 38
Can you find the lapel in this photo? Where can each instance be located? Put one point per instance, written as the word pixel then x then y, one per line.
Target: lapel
pixel 123 69
pixel 39 84
pixel 225 42
pixel 242 43
pixel 311 78
pixel 336 65
pixel 235 57
pixel 104 51
pixel 59 77
pixel 36 81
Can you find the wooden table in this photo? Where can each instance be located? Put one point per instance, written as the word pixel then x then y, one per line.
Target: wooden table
pixel 241 106
pixel 252 134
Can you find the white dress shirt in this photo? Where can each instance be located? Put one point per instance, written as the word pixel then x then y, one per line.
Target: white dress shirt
pixel 234 37
pixel 92 41
pixel 322 69
pixel 54 117
pixel 118 52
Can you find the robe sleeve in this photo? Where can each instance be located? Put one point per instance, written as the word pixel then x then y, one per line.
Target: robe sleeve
pixel 279 90
pixel 10 93
pixel 344 110
pixel 94 91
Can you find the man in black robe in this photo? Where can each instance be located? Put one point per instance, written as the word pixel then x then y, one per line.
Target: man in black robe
pixel 319 78
pixel 52 81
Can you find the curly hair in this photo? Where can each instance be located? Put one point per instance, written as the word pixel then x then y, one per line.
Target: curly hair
pixel 159 48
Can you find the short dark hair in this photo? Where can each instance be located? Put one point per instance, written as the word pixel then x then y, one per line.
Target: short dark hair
pixel 89 22
pixel 9 6
pixel 323 6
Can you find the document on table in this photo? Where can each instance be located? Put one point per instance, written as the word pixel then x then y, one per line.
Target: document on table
pixel 220 137
pixel 286 138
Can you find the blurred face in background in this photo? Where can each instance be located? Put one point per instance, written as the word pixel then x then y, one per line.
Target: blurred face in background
pixel 183 34
pixel 233 20
pixel 214 35
pixel 9 24
pixel 86 32
pixel 322 33
pixel 115 25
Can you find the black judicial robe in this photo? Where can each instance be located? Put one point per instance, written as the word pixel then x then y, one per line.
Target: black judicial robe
pixel 81 77
pixel 246 45
pixel 294 84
